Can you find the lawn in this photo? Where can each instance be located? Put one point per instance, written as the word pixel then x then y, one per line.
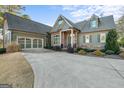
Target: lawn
pixel 15 71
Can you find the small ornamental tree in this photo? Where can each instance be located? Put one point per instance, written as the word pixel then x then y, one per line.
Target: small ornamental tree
pixel 111 41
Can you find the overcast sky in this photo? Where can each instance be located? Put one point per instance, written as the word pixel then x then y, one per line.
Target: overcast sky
pixel 48 14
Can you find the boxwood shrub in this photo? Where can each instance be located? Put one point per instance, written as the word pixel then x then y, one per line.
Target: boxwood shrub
pixel 2 50
pixel 109 52
pixel 57 48
pixel 70 50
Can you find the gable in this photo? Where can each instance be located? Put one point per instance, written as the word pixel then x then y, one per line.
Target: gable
pixel 65 24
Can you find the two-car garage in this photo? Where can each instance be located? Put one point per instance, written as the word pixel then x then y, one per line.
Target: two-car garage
pixel 28 42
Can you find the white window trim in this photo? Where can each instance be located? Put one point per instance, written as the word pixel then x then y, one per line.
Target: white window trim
pixel 101 35
pixel 54 39
pixel 87 40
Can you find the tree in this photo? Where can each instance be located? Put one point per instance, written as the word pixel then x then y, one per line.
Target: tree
pixel 121 42
pixel 120 26
pixel 25 16
pixel 111 41
pixel 14 9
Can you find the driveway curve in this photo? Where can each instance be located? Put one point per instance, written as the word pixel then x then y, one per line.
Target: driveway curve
pixel 64 70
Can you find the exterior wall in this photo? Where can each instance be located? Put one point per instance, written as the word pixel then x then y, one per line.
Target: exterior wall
pixel 6 34
pixel 16 34
pixel 52 38
pixel 94 41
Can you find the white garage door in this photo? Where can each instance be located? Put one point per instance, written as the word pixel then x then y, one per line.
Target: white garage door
pixel 25 42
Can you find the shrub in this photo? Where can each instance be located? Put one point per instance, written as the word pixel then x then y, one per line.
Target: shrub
pixel 13 47
pixel 122 54
pixel 48 47
pixel 2 50
pixel 98 53
pixel 102 50
pixel 89 50
pixel 70 50
pixel 121 42
pixel 109 52
pixel 111 41
pixel 81 52
pixel 78 49
pixel 56 48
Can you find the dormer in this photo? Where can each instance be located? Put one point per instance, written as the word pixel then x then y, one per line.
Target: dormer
pixel 94 21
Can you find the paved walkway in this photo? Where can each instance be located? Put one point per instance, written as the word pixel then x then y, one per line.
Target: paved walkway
pixel 59 69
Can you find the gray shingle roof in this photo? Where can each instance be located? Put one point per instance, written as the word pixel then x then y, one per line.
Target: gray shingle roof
pixel 19 23
pixel 106 22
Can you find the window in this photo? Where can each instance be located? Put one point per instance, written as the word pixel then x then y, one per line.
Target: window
pixel 60 22
pixel 56 39
pixel 87 38
pixel 102 37
pixel 93 24
pixel 7 37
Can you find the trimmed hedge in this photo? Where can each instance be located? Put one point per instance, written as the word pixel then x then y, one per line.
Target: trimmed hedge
pixel 2 50
pixel 109 52
pixel 86 49
pixel 56 48
pixel 70 50
pixel 48 47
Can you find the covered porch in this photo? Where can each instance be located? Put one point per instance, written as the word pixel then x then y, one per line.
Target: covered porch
pixel 69 38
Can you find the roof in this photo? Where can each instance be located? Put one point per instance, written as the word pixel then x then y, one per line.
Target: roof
pixel 22 24
pixel 104 23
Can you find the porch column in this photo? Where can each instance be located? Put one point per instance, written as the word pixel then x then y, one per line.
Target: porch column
pixel 63 40
pixel 72 37
pixel 76 39
pixel 60 37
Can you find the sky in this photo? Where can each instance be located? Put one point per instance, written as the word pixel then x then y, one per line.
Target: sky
pixel 47 14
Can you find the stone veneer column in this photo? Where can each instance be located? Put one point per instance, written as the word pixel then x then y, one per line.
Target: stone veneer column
pixel 71 37
pixel 60 37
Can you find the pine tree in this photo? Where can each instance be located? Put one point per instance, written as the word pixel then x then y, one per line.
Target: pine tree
pixel 111 41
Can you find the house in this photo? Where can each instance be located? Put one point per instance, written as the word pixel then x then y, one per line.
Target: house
pixel 90 33
pixel 25 32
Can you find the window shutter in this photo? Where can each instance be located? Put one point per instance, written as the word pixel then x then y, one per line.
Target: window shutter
pixel 83 39
pixel 90 39
pixel 98 38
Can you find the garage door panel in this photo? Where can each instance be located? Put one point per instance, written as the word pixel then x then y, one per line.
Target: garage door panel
pixel 21 42
pixel 28 43
pixel 40 43
pixel 35 43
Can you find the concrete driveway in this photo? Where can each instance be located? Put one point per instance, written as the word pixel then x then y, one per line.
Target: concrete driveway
pixel 63 70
